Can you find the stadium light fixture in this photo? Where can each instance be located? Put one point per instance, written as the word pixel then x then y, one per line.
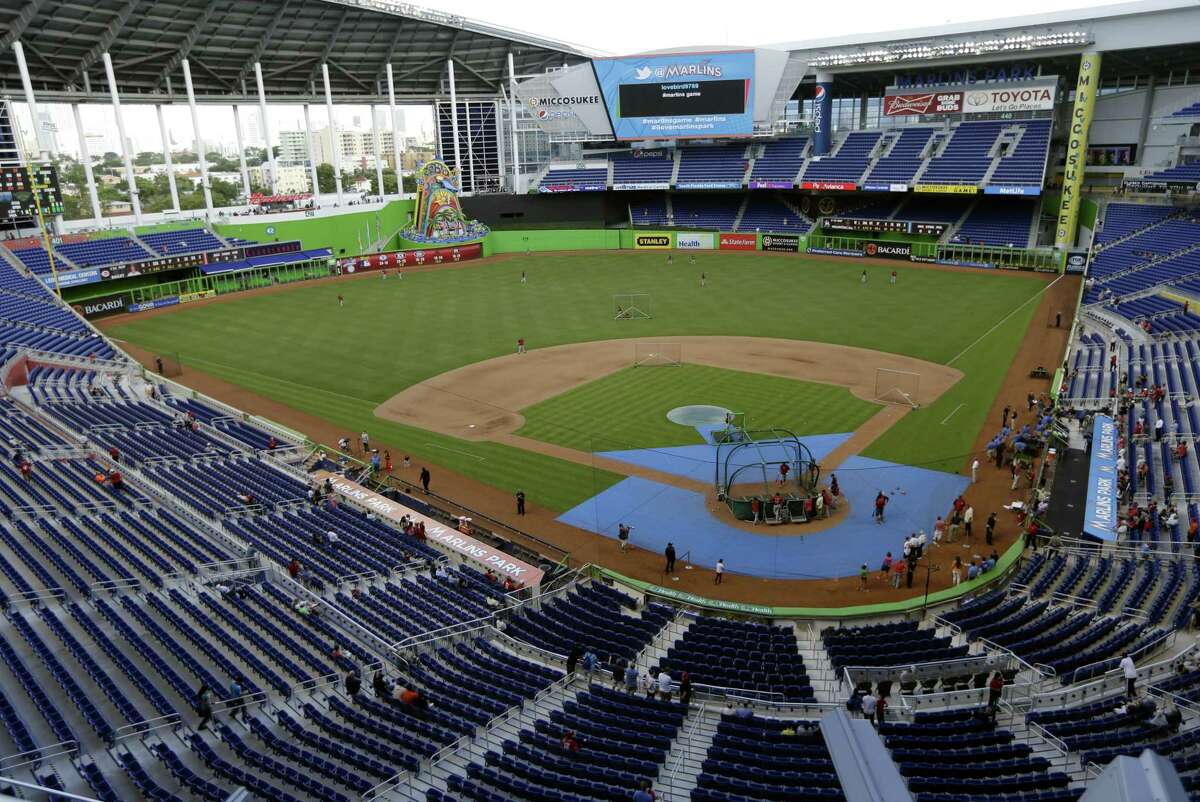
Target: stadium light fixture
pixel 926 51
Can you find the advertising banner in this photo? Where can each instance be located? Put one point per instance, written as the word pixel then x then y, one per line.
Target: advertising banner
pixel 465 546
pixel 565 102
pixel 636 187
pixel 1037 95
pixel 833 251
pixel 1077 260
pixel 189 297
pixel 889 250
pixel 884 187
pixel 830 186
pixel 657 241
pixel 72 278
pixel 104 306
pixel 1100 512
pixel 694 242
pixel 709 185
pixel 157 303
pixel 822 115
pixel 570 187
pixel 909 104
pixel 948 189
pixel 738 242
pixel 1011 190
pixel 771 184
pixel 781 243
pixel 1086 88
pixel 679 94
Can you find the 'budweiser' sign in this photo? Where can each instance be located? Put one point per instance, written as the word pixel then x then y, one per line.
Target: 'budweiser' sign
pixel 927 103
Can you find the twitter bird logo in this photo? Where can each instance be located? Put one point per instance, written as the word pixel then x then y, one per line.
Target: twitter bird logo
pixel 643 73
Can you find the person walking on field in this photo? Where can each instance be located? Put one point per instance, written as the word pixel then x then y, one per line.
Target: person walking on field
pixel 719 571
pixel 520 502
pixel 974 471
pixel 783 472
pixel 623 537
pixel 703 280
pixel 990 528
pixel 366 442
pixel 523 278
pixel 881 502
pixel 670 555
pixel 341 300
pixel 425 476
pixel 862 577
pixel 756 510
pixel 520 345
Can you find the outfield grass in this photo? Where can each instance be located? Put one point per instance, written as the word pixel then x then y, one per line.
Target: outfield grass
pixel 300 348
pixel 628 409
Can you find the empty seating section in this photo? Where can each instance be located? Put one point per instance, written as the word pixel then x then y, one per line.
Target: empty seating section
pixel 706 211
pixel 752 759
pixel 1004 222
pixel 903 159
pixel 887 645
pixel 1025 163
pixel 849 161
pixel 637 167
pixel 650 212
pixel 1188 171
pixel 712 166
pixel 1122 219
pixel 104 251
pixel 965 159
pixel 593 618
pixel 740 655
pixel 1190 110
pixel 779 162
pixel 962 756
pixel 764 212
pixel 931 209
pixel 574 179
pixel 188 240
pixel 625 740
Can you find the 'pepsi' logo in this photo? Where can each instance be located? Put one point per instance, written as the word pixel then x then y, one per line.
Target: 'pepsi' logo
pixel 820 93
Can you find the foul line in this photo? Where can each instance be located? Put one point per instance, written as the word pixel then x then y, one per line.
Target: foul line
pixel 1018 308
pixel 952 414
pixel 456 451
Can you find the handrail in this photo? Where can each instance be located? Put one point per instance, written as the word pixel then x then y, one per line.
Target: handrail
pixel 686 744
pixel 68 748
pixel 51 793
pixel 139 728
pixel 1151 646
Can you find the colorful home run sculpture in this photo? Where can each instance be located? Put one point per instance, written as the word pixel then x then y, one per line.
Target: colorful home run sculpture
pixel 438 217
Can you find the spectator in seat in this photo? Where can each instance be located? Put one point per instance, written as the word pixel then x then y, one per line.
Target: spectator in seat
pixel 569 743
pixel 379 684
pixel 645 793
pixel 114 454
pixel 115 480
pixel 294 568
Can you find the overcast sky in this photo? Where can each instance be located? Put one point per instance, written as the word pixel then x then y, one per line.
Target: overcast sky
pixel 630 26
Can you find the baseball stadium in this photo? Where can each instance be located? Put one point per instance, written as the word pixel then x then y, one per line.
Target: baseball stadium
pixel 788 420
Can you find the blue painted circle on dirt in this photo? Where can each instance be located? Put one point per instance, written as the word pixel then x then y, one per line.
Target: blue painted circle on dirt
pixel 698 415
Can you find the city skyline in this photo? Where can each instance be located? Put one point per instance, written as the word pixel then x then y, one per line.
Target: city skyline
pixel 217 129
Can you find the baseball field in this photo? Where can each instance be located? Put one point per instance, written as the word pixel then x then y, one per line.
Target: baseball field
pixel 397 358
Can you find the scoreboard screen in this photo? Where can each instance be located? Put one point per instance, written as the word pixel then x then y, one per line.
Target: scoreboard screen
pixel 875 226
pixel 678 95
pixel 16 192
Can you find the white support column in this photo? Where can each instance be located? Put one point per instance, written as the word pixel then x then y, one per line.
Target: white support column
pixel 334 143
pixel 166 148
pixel 512 117
pixel 200 155
pixel 125 154
pixel 237 133
pixel 86 158
pixel 470 147
pixel 266 125
pixel 39 136
pixel 397 136
pixel 454 119
pixel 375 150
pixel 312 156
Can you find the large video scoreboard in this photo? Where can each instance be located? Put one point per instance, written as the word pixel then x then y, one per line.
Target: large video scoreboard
pixel 16 191
pixel 679 94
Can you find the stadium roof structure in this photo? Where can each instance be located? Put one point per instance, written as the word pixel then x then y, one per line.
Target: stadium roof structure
pixel 64 42
pixel 1151 36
